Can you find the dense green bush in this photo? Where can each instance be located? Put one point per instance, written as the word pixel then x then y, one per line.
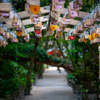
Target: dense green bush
pixel 8 79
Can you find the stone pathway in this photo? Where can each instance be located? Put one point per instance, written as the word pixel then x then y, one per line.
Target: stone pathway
pixel 52 87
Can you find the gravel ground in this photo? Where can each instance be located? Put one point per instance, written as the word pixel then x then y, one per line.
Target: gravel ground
pixel 52 87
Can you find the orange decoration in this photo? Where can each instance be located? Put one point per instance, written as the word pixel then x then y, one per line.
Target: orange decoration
pixel 85 40
pixel 35 9
pixel 60 34
pixel 19 33
pixel 94 35
pixel 63 28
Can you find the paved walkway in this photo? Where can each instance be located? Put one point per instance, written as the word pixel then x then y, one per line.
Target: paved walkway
pixel 52 87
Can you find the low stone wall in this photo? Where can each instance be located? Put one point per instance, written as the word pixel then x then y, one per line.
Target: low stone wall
pixel 81 95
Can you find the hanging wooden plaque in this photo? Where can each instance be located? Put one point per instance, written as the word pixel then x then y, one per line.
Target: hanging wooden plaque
pixel 50 43
pixel 54 21
pixel 35 19
pixel 34 2
pixel 74 13
pixel 80 2
pixel 57 36
pixel 15 20
pixel 1 42
pixel 7 34
pixel 18 25
pixel 57 7
pixel 55 15
pixel 71 5
pixel 88 22
pixel 25 34
pixel 94 41
pixel 59 1
pixel 80 29
pixel 60 33
pixel 38 26
pixel 20 29
pixel 5 14
pixel 5 7
pixel 11 36
pixel 67 18
pixel 50 32
pixel 61 27
pixel 38 35
pixel 1 30
pixel 27 9
pixel 81 39
pixel 98 31
pixel 98 13
pixel 8 21
pixel 75 32
pixel 14 40
pixel 26 38
pixel 4 44
pixel 66 38
pixel 75 5
pixel 94 17
pixel 86 36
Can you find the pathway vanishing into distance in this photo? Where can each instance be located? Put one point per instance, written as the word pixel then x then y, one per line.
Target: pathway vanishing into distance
pixel 52 87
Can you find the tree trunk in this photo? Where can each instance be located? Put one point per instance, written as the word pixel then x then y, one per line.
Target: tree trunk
pixel 69 54
pixel 46 43
pixel 40 71
pixel 35 68
pixel 28 87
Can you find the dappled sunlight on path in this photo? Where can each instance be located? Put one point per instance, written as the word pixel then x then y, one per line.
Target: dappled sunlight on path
pixel 52 87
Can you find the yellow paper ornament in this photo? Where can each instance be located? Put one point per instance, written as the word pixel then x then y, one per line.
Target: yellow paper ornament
pixel 53 27
pixel 90 37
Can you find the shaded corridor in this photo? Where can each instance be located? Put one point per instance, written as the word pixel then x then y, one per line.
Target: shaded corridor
pixel 52 87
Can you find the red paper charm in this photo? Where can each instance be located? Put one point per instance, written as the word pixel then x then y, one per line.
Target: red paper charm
pixel 38 32
pixel 72 37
